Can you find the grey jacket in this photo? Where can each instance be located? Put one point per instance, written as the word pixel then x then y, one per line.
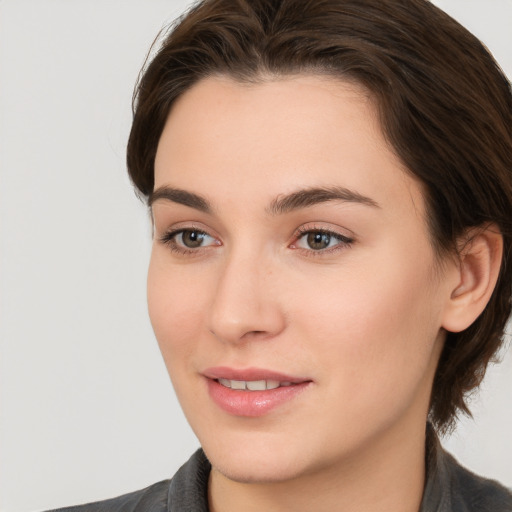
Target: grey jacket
pixel 449 488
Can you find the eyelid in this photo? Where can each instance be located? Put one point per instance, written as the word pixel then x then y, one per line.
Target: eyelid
pixel 345 239
pixel 164 226
pixel 168 238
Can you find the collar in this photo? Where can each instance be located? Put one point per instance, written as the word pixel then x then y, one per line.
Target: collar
pixel 448 488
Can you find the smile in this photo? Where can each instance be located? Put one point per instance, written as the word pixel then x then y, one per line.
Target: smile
pixel 252 392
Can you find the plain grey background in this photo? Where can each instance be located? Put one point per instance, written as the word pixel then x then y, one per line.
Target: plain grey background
pixel 87 410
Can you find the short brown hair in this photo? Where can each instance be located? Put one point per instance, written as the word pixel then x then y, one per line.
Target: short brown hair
pixel 445 108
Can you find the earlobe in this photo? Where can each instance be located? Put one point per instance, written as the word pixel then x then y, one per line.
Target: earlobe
pixel 480 254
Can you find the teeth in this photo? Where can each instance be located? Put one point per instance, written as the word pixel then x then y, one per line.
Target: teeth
pixel 256 385
pixel 272 384
pixel 252 385
pixel 238 384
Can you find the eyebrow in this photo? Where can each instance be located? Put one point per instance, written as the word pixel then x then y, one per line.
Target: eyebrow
pixel 312 196
pixel 180 196
pixel 283 204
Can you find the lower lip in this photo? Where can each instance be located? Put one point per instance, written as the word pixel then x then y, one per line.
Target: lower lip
pixel 252 403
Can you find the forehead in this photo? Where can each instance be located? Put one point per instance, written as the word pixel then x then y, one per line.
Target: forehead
pixel 272 137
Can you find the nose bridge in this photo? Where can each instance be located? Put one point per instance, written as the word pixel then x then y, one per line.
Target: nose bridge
pixel 242 304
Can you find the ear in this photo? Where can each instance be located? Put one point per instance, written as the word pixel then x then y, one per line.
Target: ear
pixel 480 252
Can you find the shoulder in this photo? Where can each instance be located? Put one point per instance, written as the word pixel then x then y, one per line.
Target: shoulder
pixel 474 493
pixel 187 490
pixel 151 499
pixel 451 487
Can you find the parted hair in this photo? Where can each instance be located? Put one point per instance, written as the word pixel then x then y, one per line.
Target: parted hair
pixel 445 108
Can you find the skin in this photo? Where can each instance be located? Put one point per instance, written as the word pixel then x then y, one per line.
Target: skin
pixel 363 320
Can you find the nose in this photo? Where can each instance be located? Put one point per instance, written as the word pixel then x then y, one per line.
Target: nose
pixel 245 304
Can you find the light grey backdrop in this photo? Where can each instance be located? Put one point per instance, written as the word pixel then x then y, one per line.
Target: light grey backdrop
pixel 87 411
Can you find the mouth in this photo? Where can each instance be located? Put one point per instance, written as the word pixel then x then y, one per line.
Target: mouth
pixel 252 392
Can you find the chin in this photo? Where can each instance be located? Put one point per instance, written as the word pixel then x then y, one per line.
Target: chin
pixel 254 470
pixel 259 457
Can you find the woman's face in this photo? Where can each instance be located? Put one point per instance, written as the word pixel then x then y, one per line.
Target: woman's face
pixel 291 250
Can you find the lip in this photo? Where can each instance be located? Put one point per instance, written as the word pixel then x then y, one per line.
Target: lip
pixel 252 403
pixel 225 372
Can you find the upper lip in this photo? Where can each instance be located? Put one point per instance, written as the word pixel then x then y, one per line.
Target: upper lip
pixel 250 374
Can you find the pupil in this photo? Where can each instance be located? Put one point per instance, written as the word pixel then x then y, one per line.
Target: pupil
pixel 192 239
pixel 318 241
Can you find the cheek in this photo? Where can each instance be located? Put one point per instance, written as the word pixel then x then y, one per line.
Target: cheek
pixel 375 330
pixel 175 307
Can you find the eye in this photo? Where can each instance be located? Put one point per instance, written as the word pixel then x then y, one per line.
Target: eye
pixel 320 240
pixel 193 239
pixel 186 240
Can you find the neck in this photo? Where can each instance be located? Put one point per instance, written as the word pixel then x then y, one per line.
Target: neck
pixel 388 474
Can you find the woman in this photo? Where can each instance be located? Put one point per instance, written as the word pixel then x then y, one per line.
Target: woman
pixel 331 195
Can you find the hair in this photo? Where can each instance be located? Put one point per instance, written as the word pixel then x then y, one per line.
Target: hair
pixel 445 108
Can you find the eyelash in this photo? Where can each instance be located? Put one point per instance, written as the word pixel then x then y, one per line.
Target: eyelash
pixel 344 242
pixel 169 239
